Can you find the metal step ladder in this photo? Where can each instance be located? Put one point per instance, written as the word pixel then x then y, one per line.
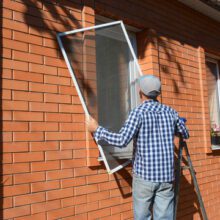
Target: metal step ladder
pixel 183 145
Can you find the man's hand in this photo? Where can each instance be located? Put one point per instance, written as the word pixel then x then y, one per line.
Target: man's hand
pixel 91 124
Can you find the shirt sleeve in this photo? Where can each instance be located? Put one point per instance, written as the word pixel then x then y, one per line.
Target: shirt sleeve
pixel 126 133
pixel 181 128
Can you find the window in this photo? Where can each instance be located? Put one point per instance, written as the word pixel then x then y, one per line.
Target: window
pixel 103 66
pixel 213 82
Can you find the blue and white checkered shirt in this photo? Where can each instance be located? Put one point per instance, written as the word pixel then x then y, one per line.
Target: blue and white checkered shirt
pixel 152 126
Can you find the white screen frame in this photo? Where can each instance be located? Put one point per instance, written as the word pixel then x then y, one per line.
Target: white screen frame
pixel 59 35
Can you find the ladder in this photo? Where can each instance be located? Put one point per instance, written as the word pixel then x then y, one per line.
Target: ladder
pixel 183 145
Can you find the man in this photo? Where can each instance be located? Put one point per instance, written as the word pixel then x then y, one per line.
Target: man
pixel 152 126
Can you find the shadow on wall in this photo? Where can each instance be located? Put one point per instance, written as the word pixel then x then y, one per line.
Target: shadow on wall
pixel 39 23
pixel 164 51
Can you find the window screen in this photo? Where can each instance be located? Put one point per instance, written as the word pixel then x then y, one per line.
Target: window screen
pixel 103 66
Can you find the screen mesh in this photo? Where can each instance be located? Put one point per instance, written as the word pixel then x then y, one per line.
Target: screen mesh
pixel 105 71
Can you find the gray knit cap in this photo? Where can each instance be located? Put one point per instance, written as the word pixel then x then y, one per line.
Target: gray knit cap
pixel 150 85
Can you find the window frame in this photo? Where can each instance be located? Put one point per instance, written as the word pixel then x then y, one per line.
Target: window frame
pixel 215 61
pixel 135 61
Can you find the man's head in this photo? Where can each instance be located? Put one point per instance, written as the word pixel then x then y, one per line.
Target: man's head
pixel 150 86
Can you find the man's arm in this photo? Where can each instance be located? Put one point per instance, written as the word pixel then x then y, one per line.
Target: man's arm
pixel 124 136
pixel 181 128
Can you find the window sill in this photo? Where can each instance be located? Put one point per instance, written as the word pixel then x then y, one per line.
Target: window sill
pixel 215 147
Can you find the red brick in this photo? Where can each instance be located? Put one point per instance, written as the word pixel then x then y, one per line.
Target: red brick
pixel 6 33
pixel 29 177
pixel 50 43
pixel 84 171
pixel 27 38
pixel 57 80
pixel 15 105
pixel 44 146
pixel 28 136
pixel 49 165
pixel 58 136
pixel 7 53
pixel 58 155
pixel 77 217
pixel 42 50
pixel 78 118
pixel 16 168
pixel 121 208
pixel 44 126
pixel 58 194
pixel 28 76
pixel 6 94
pixel 71 108
pixel 39 216
pixel 67 90
pixel 115 217
pixel 29 199
pixel 7 74
pixel 38 68
pixel 78 136
pixel 99 213
pixel 16 212
pixel 72 127
pixel 14 126
pixel 14 25
pixel 58 117
pixel 15 147
pixel 98 196
pixel 81 190
pixel 38 87
pixel 108 185
pixel 127 215
pixel 15 65
pixel 83 208
pixel 80 153
pixel 27 57
pixel 28 116
pixel 14 84
pixel 7 158
pixel 7 13
pixel 73 182
pixel 97 178
pixel 60 213
pixel 43 107
pixel 51 61
pixel 57 98
pixel 76 200
pixel 7 180
pixel 28 157
pixel 59 174
pixel 7 137
pixel 27 96
pixel 45 186
pixel 45 206
pixel 110 202
pixel 16 190
pixel 73 163
pixel 72 145
pixel 15 45
pixel 63 72
pixel 7 203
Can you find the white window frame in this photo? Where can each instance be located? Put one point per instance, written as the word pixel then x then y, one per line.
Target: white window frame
pixel 215 61
pixel 59 35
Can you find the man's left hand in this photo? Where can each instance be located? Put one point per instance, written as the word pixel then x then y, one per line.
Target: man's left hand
pixel 91 124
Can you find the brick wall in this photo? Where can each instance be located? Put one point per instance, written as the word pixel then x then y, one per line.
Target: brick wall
pixel 45 173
